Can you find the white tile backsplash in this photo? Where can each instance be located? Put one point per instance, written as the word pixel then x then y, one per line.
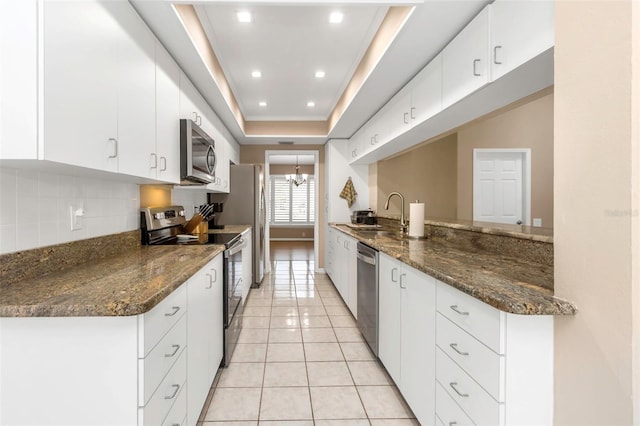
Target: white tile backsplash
pixel 34 208
pixel 188 198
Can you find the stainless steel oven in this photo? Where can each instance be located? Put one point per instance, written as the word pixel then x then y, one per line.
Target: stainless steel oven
pixel 233 296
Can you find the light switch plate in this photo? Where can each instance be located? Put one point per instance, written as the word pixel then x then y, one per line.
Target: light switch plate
pixel 76 213
pixel 537 221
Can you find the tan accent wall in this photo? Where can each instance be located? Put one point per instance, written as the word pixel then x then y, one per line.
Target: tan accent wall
pixel 427 173
pixel 596 212
pixel 291 233
pixel 526 126
pixel 254 154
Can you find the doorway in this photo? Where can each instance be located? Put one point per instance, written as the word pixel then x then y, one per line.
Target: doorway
pixel 502 186
pixel 276 159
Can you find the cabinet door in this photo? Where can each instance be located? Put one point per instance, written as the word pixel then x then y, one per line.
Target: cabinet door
pixel 80 84
pixel 389 316
pixel 520 30
pixel 215 275
pixel 465 66
pixel 188 95
pixel 351 262
pixel 426 92
pixel 396 120
pixel 202 318
pixel 167 116
pixel 417 335
pixel 136 94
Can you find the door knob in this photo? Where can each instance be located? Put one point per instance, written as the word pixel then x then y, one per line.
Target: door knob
pixel 519 222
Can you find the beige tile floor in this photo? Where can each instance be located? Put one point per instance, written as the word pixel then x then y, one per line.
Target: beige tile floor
pixel 301 361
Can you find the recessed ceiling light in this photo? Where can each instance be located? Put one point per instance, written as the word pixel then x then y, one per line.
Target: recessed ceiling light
pixel 256 74
pixel 262 103
pixel 244 16
pixel 311 104
pixel 336 17
pixel 319 74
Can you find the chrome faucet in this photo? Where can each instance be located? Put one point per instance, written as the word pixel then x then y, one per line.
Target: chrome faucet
pixel 403 223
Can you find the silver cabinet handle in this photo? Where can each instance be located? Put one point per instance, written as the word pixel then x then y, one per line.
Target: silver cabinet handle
pixel 495 55
pixel 195 116
pixel 392 271
pixel 154 161
pixel 175 311
pixel 375 138
pixel 115 147
pixel 372 140
pixel 210 281
pixel 453 386
pixel 475 63
pixel 215 275
pixel 401 281
pixel 175 351
pixel 413 116
pixel 454 346
pixel 455 309
pixel 175 392
pixel 450 423
pixel 163 164
pixel 405 118
pixel 199 121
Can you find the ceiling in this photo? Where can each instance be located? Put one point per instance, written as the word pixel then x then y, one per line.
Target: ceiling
pixel 288 159
pixel 288 44
pixel 275 43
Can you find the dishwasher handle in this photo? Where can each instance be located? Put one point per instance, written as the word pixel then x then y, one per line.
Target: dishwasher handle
pixel 371 260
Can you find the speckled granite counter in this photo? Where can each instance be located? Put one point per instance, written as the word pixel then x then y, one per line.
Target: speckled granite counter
pixel 130 283
pixel 506 283
pixel 241 229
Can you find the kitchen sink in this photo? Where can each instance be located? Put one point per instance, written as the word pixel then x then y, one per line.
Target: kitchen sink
pixel 375 233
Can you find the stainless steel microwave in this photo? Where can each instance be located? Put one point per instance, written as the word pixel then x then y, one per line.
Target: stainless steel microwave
pixel 197 155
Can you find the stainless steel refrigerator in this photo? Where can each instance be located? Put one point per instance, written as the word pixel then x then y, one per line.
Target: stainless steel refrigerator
pixel 245 205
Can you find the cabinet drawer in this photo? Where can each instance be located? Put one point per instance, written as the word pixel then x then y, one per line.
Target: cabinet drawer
pixel 155 366
pixel 166 395
pixel 482 321
pixel 178 414
pixel 155 323
pixel 447 411
pixel 475 401
pixel 485 366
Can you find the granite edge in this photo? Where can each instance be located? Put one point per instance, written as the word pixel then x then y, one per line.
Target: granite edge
pixel 539 303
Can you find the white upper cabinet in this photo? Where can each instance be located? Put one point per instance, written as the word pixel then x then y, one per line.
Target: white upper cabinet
pixel 136 95
pixel 81 84
pixel 167 117
pixel 520 30
pixel 465 61
pixel 426 92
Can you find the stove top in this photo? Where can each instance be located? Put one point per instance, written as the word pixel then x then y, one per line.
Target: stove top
pixel 165 225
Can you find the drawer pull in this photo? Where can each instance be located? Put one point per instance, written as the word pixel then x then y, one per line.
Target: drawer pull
pixel 455 309
pixel 453 386
pixel 177 348
pixel 175 392
pixel 175 311
pixel 454 346
pixel 392 271
pixel 453 423
pixel 210 282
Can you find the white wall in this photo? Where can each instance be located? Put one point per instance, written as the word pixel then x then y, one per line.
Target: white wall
pixel 34 208
pixel 188 198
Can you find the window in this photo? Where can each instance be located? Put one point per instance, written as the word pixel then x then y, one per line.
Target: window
pixel 290 204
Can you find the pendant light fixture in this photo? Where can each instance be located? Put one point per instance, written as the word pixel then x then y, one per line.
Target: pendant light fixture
pixel 297 178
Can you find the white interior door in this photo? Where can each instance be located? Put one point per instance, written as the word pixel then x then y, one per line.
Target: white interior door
pixel 501 190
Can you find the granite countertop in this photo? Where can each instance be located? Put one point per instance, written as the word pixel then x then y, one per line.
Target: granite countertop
pixel 506 283
pixel 241 229
pixel 130 283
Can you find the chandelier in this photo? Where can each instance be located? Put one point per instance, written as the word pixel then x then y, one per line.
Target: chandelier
pixel 297 178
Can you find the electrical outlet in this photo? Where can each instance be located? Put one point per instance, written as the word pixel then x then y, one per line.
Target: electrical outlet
pixel 537 221
pixel 76 214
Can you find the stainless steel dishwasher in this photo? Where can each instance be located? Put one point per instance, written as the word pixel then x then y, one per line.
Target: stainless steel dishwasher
pixel 368 295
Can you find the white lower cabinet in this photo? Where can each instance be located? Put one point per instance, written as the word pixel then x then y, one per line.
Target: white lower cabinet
pixel 344 270
pixel 205 334
pixel 492 367
pixel 407 333
pixel 127 370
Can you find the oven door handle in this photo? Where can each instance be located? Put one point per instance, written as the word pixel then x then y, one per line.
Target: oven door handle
pixel 236 247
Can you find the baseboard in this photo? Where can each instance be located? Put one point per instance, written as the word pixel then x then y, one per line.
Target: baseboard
pixel 291 239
